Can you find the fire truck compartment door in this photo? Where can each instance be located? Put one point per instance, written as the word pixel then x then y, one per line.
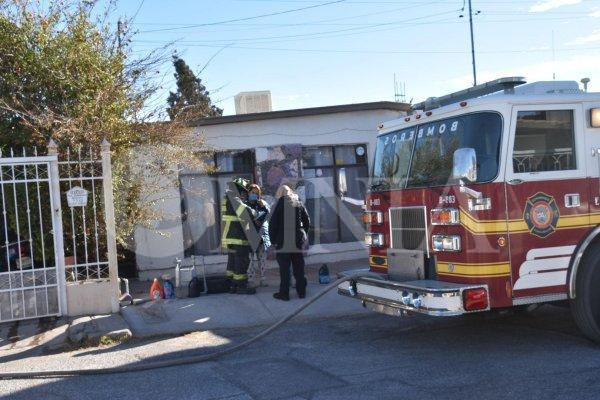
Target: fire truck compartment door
pixel 406 265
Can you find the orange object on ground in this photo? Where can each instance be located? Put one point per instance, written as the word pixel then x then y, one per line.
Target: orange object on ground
pixel 156 290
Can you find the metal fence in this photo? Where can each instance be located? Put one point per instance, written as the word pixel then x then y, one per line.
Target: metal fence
pixel 56 228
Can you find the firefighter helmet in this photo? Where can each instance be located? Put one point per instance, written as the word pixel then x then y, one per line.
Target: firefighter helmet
pixel 240 184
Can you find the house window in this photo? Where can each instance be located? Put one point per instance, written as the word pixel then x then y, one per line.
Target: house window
pixel 201 196
pixel 324 168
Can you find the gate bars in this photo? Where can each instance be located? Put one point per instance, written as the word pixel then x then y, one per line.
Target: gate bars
pixel 30 281
pixel 38 261
pixel 89 247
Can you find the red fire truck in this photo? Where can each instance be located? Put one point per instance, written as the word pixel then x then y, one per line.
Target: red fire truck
pixel 487 198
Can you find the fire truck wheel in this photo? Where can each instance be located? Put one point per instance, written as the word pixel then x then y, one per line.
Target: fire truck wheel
pixel 585 307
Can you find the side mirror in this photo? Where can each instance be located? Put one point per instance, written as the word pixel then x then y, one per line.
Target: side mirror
pixel 342 185
pixel 465 164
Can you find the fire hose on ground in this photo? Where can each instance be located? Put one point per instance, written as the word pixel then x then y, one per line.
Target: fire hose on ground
pixel 181 361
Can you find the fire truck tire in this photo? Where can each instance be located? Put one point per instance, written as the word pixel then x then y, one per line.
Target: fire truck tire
pixel 585 307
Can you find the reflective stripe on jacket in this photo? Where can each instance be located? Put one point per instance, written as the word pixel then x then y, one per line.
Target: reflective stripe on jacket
pixel 236 218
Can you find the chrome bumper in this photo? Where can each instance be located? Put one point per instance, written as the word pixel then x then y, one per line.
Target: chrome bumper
pixel 435 298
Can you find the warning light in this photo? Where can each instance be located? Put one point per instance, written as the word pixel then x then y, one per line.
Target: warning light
pixel 475 299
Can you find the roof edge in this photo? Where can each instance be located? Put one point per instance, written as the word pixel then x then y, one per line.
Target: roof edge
pixel 302 112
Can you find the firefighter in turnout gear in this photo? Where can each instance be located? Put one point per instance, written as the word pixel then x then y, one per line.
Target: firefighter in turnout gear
pixel 237 221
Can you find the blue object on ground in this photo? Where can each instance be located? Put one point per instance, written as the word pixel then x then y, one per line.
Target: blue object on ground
pixel 324 277
pixel 169 289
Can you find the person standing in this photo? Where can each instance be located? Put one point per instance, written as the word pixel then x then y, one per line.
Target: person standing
pixel 237 221
pixel 262 226
pixel 288 229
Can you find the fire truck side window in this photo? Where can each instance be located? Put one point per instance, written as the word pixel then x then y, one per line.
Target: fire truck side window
pixel 544 141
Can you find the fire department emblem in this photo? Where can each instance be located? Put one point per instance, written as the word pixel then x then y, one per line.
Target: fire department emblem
pixel 541 214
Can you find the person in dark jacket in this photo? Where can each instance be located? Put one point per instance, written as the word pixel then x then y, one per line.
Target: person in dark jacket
pixel 288 230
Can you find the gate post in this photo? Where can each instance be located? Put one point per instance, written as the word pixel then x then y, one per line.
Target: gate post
pixel 57 227
pixel 109 216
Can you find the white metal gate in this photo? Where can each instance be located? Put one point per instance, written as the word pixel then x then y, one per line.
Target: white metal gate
pixel 40 262
pixel 31 277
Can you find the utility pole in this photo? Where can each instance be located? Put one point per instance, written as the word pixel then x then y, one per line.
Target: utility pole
pixel 472 44
pixel 553 59
pixel 119 33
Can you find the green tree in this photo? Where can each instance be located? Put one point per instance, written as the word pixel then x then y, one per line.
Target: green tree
pixel 66 73
pixel 192 100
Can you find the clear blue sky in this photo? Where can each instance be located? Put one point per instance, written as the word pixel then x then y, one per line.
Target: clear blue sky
pixel 348 51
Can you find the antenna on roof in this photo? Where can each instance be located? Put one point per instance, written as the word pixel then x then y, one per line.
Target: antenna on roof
pixel 399 91
pixel 506 84
pixel 553 58
pixel 585 82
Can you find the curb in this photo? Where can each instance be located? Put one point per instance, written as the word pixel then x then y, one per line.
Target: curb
pixel 98 330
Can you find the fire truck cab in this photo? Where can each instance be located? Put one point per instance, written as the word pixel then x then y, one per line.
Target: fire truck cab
pixel 487 198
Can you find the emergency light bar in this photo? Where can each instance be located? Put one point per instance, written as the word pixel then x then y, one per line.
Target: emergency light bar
pixel 506 84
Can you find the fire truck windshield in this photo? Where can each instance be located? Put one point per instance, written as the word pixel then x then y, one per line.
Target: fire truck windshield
pixel 392 159
pixel 432 147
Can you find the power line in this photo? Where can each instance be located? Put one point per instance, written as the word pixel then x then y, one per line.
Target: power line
pixel 500 2
pixel 346 32
pixel 372 1
pixel 317 22
pixel 247 18
pixel 137 11
pixel 328 21
pixel 329 33
pixel 513 51
pixel 300 35
pixel 361 28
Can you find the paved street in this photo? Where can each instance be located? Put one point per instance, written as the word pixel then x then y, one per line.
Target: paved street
pixel 362 357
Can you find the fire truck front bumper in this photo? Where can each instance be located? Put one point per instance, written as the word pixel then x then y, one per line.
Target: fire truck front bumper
pixel 430 297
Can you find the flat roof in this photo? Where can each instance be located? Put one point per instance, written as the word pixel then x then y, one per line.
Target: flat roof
pixel 302 112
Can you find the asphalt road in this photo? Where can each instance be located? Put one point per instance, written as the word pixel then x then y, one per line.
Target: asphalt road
pixel 366 357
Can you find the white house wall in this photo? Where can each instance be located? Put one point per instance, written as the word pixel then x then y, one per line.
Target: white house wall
pixel 156 250
pixel 338 128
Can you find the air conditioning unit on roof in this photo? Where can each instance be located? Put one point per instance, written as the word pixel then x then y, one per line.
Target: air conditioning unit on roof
pixel 253 102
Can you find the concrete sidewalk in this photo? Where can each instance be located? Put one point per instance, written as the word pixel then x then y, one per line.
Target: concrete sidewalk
pixel 174 317
pixel 216 311
pixel 179 316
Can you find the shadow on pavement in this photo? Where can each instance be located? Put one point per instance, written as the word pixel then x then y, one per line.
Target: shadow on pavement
pixel 370 356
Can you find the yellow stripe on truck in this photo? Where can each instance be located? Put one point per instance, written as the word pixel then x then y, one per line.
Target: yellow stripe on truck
pixel 474 270
pixel 500 227
pixel 489 227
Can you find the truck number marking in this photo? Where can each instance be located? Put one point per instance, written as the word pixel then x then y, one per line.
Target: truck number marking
pixel 449 199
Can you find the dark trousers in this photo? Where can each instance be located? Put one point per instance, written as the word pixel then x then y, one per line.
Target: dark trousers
pixel 296 260
pixel 238 261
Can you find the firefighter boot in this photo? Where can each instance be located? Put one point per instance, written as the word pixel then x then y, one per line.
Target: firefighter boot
pixel 243 288
pixel 232 286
